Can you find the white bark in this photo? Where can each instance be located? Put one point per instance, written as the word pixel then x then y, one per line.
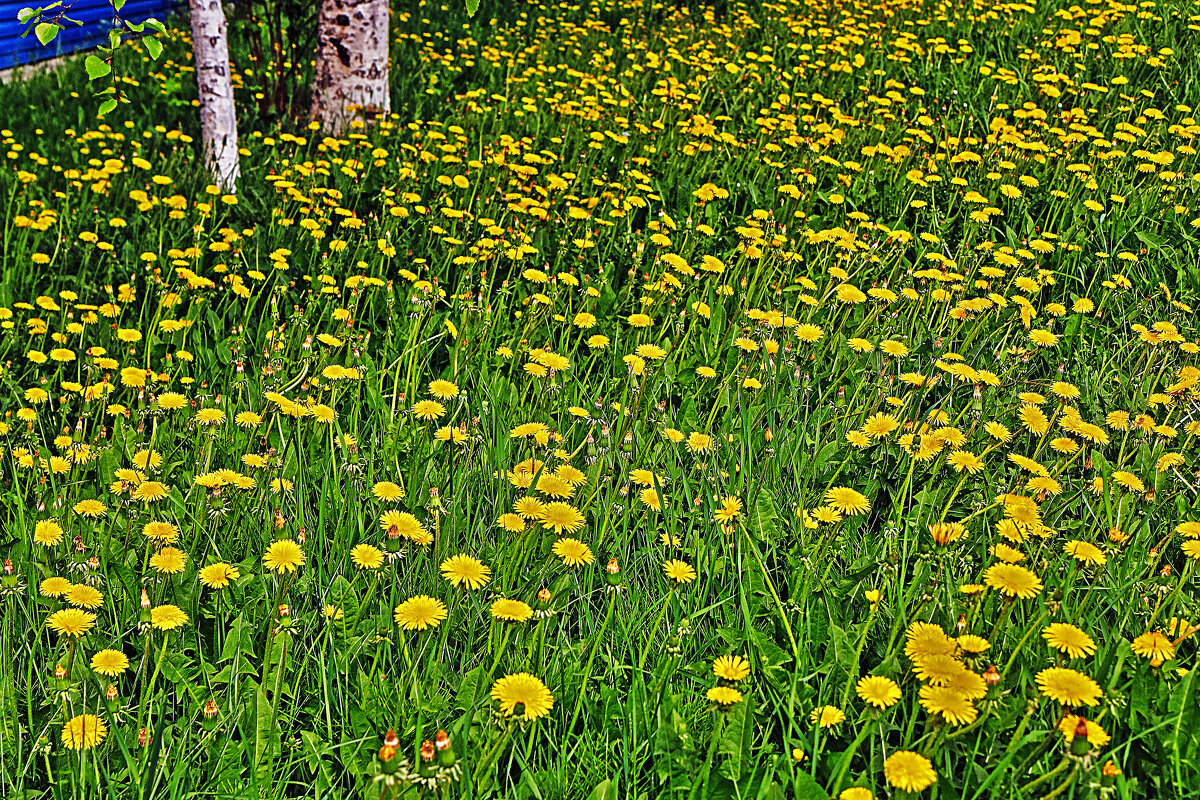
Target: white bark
pixel 218 122
pixel 351 79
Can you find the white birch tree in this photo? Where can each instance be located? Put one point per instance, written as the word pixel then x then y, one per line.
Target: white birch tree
pixel 218 119
pixel 351 78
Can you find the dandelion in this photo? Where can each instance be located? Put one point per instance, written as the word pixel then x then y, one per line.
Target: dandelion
pixel 464 570
pixel 167 617
pixel 730 510
pixel 1096 735
pixel 169 560
pixel 573 552
pixel 678 572
pixel 1068 687
pixel 699 443
pixel 47 533
pixel 91 509
pixel 443 390
pixel 84 596
pixel 109 663
pixel 1069 639
pixel 404 524
pixel 218 575
pixel 388 492
pixel 283 556
pixel 71 622
pixel 878 691
pixel 731 668
pixel 428 410
pixel 83 732
pixel 724 695
pixel 511 610
pixel 1155 647
pixel 1085 552
pixel 420 613
pixel 560 517
pixel 909 771
pixel 827 716
pixel 522 696
pixel 952 705
pixel 1013 580
pixel 366 556
pixel 847 501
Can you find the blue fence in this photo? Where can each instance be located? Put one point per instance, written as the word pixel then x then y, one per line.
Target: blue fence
pixel 97 19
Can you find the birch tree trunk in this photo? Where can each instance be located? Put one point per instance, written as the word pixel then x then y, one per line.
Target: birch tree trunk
pixel 351 78
pixel 218 122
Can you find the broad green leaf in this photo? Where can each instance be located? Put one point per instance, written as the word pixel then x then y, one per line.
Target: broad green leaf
pixel 46 31
pixel 118 5
pixel 807 788
pixel 24 15
pixel 762 518
pixel 605 789
pixel 107 106
pixel 737 740
pixel 472 7
pixel 96 67
pixel 153 47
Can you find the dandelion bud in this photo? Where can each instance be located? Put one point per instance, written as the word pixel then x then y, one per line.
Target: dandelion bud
pixel 111 692
pixel 60 672
pixel 768 435
pixel 279 523
pixel 1080 744
pixel 142 737
pixel 208 720
pixel 284 611
pixel 390 739
pixel 962 623
pixel 612 572
pixel 1109 774
pixel 427 769
pixel 445 750
pixel 8 566
pixel 991 676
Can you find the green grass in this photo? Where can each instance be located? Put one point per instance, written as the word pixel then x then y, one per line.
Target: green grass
pixel 546 177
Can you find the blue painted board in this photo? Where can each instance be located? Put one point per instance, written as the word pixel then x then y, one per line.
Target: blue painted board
pixel 97 19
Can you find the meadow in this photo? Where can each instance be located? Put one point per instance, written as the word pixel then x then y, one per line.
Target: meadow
pixel 693 401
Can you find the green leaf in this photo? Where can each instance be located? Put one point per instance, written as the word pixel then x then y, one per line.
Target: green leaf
pixel 96 67
pixel 737 740
pixel 472 7
pixel 762 518
pixel 24 15
pixel 107 106
pixel 1183 711
pixel 46 31
pixel 807 788
pixel 607 788
pixel 118 4
pixel 153 47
